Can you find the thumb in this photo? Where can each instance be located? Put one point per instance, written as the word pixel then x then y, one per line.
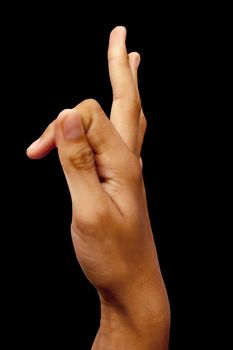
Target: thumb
pixel 77 160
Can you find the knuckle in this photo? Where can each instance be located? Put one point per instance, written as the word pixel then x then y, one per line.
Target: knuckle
pixel 92 104
pixel 63 113
pixel 137 170
pixel 80 159
pixel 143 121
pixel 138 102
pixel 115 55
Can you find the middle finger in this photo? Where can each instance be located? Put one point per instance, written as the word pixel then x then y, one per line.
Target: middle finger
pixel 126 101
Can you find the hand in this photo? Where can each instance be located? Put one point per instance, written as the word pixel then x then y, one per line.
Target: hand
pixel 110 227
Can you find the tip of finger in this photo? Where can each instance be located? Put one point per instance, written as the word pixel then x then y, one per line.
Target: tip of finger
pixel 118 32
pixel 135 58
pixel 119 29
pixel 64 113
pixel 33 154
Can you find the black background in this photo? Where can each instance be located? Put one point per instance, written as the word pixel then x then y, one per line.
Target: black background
pixel 53 59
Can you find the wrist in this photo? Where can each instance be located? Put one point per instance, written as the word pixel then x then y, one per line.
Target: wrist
pixel 141 321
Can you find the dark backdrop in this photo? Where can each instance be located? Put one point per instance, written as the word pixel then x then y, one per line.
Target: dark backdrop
pixel 53 59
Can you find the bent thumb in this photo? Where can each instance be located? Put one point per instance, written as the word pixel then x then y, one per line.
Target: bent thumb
pixel 77 160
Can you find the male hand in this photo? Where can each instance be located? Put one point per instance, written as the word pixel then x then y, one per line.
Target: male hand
pixel 110 227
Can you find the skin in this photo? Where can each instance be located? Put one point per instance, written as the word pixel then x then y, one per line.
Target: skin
pixel 110 228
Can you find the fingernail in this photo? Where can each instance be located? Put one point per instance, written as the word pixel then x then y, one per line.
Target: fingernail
pixel 72 127
pixel 34 145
